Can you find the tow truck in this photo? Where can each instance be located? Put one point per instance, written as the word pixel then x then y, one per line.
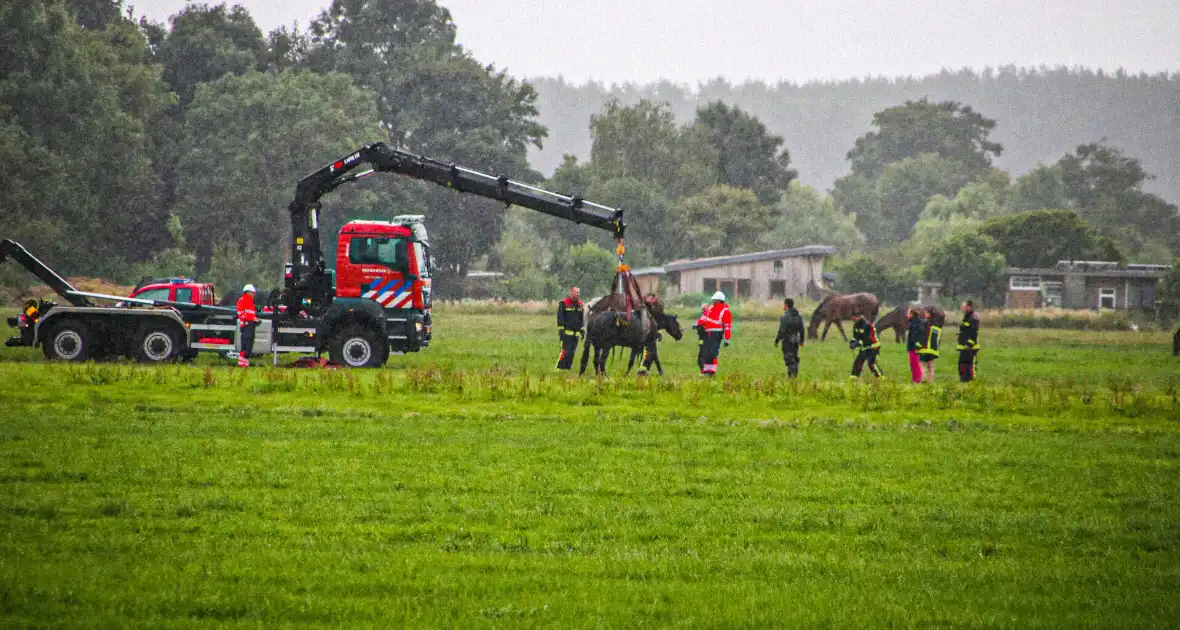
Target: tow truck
pixel 376 302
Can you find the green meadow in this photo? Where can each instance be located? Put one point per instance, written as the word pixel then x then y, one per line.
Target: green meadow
pixel 471 485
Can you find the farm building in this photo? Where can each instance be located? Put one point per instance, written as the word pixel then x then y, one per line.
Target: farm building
pixel 756 276
pixel 1085 284
pixel 648 279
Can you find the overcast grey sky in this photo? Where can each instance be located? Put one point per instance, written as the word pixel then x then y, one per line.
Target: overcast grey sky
pixel 693 40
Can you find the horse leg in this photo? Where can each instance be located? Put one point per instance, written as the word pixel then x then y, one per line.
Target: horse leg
pixel 827 327
pixel 631 363
pixel 840 327
pixel 585 356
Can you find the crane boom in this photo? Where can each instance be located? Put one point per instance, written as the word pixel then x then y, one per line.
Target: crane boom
pixel 307 277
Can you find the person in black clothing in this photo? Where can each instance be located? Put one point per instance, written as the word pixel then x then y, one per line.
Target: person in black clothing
pixel 790 333
pixel 1176 343
pixel 864 339
pixel 570 327
pixel 968 343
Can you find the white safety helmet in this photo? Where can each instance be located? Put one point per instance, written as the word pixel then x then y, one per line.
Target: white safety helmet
pixel 718 297
pixel 249 288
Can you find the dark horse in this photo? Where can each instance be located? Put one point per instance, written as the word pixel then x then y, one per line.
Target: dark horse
pixel 609 328
pixel 894 319
pixel 837 308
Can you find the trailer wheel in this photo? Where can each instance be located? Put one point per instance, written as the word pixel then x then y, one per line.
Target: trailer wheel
pixel 359 347
pixel 68 340
pixel 156 343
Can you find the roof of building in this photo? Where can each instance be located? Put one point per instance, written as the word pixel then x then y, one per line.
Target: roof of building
pixel 720 261
pixel 1153 274
pixel 648 271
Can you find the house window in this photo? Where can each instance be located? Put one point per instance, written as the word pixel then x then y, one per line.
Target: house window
pixel 1106 298
pixel 777 267
pixel 778 288
pixel 726 287
pixel 1025 282
pixel 711 285
pixel 743 288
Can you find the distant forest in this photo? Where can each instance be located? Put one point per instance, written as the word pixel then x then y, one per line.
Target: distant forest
pixel 1041 113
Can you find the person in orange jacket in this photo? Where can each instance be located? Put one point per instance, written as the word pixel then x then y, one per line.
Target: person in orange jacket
pixel 717 323
pixel 247 321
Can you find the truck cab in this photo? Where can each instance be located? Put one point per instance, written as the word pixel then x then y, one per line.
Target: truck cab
pixel 388 262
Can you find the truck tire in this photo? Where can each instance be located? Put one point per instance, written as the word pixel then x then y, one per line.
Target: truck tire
pixel 68 340
pixel 156 343
pixel 358 346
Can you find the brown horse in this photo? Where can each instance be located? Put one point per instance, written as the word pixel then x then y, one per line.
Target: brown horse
pixel 837 308
pixel 894 319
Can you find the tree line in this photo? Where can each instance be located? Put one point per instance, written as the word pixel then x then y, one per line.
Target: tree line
pixel 139 148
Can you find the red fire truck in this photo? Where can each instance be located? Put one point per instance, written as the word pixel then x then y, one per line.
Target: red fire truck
pixel 377 301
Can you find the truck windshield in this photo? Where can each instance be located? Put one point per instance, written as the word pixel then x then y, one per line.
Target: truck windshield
pixel 390 252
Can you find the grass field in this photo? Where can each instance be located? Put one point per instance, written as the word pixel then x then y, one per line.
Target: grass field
pixel 472 486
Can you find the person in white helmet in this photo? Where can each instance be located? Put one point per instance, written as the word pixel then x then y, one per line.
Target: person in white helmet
pixel 247 321
pixel 717 322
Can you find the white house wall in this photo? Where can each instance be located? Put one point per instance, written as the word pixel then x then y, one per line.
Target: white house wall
pixel 796 272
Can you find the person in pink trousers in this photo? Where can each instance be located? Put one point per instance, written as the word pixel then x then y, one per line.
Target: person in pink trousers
pixel 913 342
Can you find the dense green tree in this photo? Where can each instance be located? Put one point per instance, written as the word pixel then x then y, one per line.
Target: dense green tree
pixel 247 139
pixel 96 14
pixel 1038 189
pixel 967 265
pixel 208 42
pixel 903 191
pixel 723 220
pixel 747 155
pixel 948 129
pixel 809 217
pixel 643 142
pixel 1040 238
pixel 586 266
pixel 76 107
pixel 654 236
pixel 892 284
pixel 524 278
pixel 1106 188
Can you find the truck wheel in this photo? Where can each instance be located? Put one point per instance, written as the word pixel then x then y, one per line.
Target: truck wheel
pixel 359 347
pixel 156 343
pixel 68 340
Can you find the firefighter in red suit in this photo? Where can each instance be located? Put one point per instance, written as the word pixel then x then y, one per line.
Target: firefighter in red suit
pixel 716 323
pixel 247 321
pixel 569 328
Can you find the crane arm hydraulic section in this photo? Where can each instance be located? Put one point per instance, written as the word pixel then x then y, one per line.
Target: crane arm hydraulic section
pixel 308 285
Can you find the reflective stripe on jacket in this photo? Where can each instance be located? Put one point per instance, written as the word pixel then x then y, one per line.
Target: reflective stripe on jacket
pixel 865 332
pixel 718 319
pixel 246 312
pixel 969 332
pixel 930 348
